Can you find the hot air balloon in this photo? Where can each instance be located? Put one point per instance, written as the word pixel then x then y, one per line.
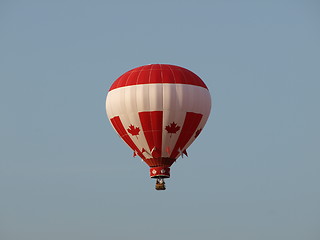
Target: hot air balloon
pixel 158 110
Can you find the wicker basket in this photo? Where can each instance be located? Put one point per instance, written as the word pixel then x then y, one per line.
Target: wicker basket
pixel 160 186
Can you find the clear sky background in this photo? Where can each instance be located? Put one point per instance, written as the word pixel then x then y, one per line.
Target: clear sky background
pixel 252 174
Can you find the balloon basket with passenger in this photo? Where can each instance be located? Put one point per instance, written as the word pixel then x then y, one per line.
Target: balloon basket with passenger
pixel 160 184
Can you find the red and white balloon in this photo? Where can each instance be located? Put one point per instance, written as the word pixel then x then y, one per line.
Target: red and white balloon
pixel 158 110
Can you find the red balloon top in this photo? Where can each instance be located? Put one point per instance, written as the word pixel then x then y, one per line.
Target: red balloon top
pixel 158 73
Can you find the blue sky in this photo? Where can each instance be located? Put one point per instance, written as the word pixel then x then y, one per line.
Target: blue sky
pixel 64 173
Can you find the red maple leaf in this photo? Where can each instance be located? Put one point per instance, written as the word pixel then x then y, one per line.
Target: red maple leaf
pixel 134 131
pixel 172 128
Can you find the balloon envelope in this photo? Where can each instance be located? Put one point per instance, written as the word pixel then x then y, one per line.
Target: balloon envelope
pixel 158 110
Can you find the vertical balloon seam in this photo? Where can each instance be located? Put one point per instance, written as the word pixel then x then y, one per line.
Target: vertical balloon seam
pixel 158 130
pixel 173 113
pixel 182 72
pixel 128 77
pixel 180 114
pixel 164 136
pixel 160 96
pixel 150 97
pixel 142 136
pixel 145 68
pixel 130 113
pixel 136 99
pixel 190 102
pixel 135 103
pixel 138 76
pixel 174 78
pixel 153 133
pixel 145 125
pixel 190 92
pixel 148 100
pixel 127 110
pixel 163 112
pixel 150 72
pixel 181 120
pixel 163 120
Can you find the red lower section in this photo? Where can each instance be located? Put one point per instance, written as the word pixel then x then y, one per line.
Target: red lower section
pixel 163 172
pixel 157 162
